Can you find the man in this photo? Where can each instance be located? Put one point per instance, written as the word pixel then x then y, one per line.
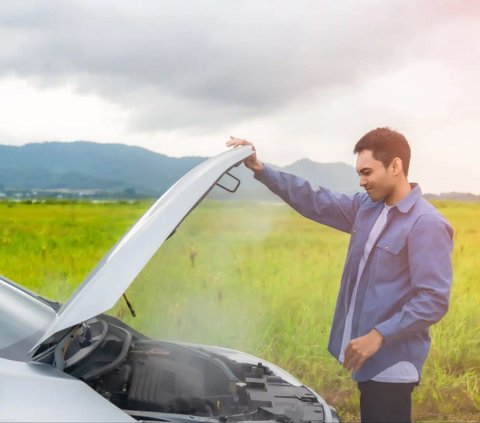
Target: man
pixel 397 275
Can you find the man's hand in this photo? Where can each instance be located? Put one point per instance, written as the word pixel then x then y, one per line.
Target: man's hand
pixel 251 161
pixel 362 348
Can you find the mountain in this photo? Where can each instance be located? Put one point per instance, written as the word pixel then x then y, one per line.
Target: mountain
pixel 88 165
pixel 118 168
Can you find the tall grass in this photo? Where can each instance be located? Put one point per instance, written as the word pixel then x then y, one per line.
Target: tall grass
pixel 255 277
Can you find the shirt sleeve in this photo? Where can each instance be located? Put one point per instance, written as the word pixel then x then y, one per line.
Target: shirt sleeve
pixel 321 205
pixel 429 253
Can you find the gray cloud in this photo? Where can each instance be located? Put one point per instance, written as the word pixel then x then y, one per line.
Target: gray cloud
pixel 197 64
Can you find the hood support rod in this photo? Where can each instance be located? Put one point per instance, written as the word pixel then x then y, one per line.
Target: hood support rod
pixel 129 305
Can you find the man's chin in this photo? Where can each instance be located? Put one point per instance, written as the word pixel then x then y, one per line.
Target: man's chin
pixel 375 197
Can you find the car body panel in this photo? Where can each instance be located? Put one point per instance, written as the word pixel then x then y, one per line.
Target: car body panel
pixel 23 319
pixel 40 392
pixel 116 271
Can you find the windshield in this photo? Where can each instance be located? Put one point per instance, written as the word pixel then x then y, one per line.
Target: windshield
pixel 23 318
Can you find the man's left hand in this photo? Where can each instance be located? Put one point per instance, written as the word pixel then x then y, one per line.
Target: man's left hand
pixel 362 348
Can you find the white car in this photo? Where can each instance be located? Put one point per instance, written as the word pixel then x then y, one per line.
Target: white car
pixel 71 362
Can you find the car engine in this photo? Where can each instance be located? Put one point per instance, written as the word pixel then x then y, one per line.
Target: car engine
pixel 147 379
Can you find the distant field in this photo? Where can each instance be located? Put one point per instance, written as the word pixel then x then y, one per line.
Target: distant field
pixel 255 277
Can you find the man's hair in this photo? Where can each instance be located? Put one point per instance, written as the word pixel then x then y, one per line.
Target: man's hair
pixel 385 144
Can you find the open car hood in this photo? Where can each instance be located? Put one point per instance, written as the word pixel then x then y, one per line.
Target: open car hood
pixel 120 266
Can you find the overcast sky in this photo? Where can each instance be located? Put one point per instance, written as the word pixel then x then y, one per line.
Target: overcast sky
pixel 298 78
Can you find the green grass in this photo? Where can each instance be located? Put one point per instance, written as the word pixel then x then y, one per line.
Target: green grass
pixel 254 277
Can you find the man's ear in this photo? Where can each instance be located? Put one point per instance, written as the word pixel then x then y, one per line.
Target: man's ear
pixel 397 166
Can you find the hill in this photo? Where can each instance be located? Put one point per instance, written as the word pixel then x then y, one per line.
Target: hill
pixel 83 168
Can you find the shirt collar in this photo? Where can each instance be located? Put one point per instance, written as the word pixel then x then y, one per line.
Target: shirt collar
pixel 407 202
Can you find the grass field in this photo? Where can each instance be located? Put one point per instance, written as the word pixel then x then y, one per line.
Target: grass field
pixel 255 277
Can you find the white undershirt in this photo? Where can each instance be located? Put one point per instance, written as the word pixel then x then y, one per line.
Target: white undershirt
pixel 403 371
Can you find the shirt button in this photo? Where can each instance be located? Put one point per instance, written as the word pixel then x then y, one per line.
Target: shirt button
pixel 386 247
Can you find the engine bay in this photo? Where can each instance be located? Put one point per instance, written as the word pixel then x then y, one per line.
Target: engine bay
pixel 148 378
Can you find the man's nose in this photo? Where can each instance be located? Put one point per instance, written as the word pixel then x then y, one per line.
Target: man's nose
pixel 362 181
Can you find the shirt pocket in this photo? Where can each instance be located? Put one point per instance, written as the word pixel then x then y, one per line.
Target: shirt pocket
pixel 391 259
pixel 393 245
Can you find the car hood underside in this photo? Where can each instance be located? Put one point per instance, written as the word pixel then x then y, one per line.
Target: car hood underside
pixel 117 270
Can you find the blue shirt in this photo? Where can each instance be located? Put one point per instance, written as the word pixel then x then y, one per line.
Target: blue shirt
pixel 405 284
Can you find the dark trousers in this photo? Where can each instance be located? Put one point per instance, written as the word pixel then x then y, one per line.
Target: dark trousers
pixel 385 402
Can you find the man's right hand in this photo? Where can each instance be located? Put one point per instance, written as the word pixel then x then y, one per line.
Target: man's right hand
pixel 251 161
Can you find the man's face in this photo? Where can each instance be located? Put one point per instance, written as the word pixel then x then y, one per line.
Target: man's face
pixel 374 178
